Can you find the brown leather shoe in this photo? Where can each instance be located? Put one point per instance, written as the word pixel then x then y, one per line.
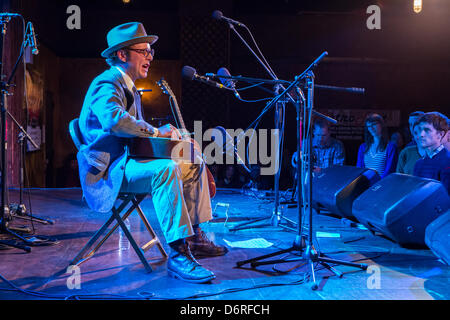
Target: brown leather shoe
pixel 182 265
pixel 202 247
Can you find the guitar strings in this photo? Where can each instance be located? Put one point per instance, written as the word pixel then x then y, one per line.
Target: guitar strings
pixel 173 113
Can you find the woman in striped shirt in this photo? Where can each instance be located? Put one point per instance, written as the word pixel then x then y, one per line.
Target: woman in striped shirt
pixel 377 153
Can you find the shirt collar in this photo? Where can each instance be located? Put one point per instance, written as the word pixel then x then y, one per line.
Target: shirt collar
pixel 127 79
pixel 436 151
pixel 327 144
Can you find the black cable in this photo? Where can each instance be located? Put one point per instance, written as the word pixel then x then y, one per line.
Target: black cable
pixel 143 295
pixel 22 47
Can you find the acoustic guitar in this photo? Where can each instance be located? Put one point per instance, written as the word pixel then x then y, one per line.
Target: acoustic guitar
pixel 186 149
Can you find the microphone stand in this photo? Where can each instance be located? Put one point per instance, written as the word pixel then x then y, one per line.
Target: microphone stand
pixel 19 210
pixel 304 204
pixel 277 216
pixel 4 209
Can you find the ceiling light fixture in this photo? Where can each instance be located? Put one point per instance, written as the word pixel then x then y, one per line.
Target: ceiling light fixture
pixel 417 6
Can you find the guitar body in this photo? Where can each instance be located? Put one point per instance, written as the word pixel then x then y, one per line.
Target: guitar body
pixel 161 148
pixel 164 148
pixel 211 183
pixel 186 149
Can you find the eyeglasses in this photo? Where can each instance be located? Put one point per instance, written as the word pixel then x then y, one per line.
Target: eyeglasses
pixel 372 124
pixel 144 52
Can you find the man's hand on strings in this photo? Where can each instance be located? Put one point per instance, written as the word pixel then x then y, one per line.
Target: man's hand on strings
pixel 169 131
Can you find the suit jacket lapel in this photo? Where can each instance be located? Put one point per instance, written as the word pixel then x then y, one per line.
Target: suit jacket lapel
pixel 137 102
pixel 129 96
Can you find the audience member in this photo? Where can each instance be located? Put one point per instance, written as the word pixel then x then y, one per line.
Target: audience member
pixel 327 150
pixel 377 153
pixel 229 179
pixel 411 121
pixel 431 129
pixel 409 156
pixel 446 140
pixel 397 139
pixel 412 152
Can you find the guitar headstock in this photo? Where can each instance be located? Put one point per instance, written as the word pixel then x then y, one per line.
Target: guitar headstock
pixel 164 86
pixel 162 83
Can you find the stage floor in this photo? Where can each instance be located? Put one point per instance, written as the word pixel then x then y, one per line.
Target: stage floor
pixel 395 273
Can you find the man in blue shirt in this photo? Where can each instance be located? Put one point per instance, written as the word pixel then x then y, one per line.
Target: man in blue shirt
pixel 431 129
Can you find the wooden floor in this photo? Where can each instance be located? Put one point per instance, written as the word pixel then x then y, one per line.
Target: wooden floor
pixel 394 273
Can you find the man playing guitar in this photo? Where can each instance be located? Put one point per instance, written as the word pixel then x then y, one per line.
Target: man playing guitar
pixel 112 115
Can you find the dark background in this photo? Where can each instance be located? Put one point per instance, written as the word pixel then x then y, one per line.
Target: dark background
pixel 404 66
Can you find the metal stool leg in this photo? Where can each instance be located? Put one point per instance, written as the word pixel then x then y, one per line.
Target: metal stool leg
pixel 155 240
pixel 135 200
pixel 133 243
pixel 80 258
pixel 124 217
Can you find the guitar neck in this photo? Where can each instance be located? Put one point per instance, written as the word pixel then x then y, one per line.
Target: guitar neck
pixel 167 90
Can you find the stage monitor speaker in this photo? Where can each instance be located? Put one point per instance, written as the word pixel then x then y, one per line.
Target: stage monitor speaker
pixel 336 187
pixel 437 237
pixel 401 206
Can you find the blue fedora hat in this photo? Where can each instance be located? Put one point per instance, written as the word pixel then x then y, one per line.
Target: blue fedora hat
pixel 126 35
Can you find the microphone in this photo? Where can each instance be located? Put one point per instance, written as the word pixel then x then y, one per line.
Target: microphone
pixel 5 14
pixel 33 42
pixel 190 73
pixel 227 82
pixel 227 142
pixel 357 90
pixel 352 89
pixel 218 15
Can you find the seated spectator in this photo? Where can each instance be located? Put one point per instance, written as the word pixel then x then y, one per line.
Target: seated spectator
pixel 413 117
pixel 377 153
pixel 409 156
pixel 327 151
pixel 446 140
pixel 431 129
pixel 397 139
pixel 229 179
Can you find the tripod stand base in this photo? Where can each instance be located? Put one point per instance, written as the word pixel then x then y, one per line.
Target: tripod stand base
pixel 309 255
pixel 20 229
pixel 298 245
pixel 13 243
pixel 9 244
pixel 20 212
pixel 273 221
pixel 313 257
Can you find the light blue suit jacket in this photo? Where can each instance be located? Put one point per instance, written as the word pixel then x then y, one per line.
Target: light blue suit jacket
pixel 107 121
